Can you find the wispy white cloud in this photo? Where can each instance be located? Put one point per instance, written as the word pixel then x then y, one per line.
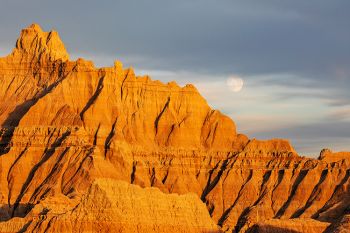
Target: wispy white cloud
pixel 340 113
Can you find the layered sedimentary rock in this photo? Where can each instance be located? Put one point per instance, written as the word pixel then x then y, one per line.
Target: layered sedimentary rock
pixel 116 206
pixel 66 124
pixel 341 226
pixel 289 226
pixel 328 156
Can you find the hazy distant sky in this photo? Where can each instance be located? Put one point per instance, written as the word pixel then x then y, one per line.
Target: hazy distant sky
pixel 294 56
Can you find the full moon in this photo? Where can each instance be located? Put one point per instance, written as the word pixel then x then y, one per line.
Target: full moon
pixel 235 83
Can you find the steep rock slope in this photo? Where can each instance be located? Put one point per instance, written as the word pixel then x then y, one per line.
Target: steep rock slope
pixel 328 156
pixel 116 206
pixel 289 226
pixel 65 124
pixel 341 226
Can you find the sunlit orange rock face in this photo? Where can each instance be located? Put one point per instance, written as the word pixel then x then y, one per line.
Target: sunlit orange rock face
pixel 82 146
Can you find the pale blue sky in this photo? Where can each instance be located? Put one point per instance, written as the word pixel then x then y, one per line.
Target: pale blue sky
pixel 294 56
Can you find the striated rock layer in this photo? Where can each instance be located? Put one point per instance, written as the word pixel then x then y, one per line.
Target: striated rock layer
pixel 116 206
pixel 289 226
pixel 67 126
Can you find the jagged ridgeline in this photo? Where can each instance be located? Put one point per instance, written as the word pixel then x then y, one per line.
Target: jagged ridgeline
pixel 81 146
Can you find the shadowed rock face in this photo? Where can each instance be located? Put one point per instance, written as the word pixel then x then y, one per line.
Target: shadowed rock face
pixel 341 226
pixel 289 226
pixel 73 136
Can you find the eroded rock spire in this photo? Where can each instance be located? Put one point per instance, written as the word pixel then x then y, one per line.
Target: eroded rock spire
pixel 33 42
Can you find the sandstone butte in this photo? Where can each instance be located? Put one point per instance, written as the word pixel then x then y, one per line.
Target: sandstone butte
pixel 87 149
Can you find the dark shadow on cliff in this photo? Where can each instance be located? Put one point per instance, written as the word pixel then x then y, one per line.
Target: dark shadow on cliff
pixel 12 121
pixel 270 229
pixel 47 154
pixel 6 211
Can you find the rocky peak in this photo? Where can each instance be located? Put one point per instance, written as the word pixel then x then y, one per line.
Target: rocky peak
pixel 75 140
pixel 35 43
pixel 329 156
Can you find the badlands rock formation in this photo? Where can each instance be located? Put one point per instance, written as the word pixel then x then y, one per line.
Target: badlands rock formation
pixel 328 156
pixel 80 146
pixel 117 206
pixel 289 226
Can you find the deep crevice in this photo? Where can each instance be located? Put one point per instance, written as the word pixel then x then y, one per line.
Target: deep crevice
pixel 313 195
pixel 96 134
pixel 211 184
pixel 339 187
pixel 226 213
pixel 160 115
pixel 46 156
pixel 53 170
pixel 110 136
pixel 93 98
pixel 133 172
pixel 295 186
pixel 19 112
